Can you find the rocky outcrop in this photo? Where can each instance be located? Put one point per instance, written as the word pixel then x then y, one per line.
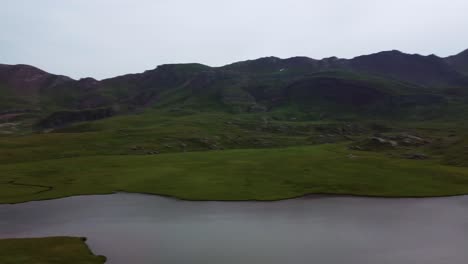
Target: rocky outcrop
pixel 416 156
pixel 62 118
pixel 391 141
pixel 405 139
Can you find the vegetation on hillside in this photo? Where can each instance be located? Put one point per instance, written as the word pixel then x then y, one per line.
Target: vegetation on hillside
pixel 51 250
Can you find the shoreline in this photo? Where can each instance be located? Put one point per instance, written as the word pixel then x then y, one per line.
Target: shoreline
pixel 305 196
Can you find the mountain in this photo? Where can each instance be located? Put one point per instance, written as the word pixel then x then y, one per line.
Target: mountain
pixel 459 62
pixel 385 84
pixel 23 86
pixel 423 70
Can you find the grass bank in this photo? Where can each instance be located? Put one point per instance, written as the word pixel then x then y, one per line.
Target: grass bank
pixel 51 250
pixel 252 174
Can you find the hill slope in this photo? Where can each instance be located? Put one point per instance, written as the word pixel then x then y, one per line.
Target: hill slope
pixel 382 85
pixel 459 62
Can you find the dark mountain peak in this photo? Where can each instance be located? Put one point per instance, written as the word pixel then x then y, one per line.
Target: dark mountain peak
pixel 87 82
pixel 383 55
pixel 394 54
pixel 426 70
pixel 262 60
pixel 461 54
pixel 300 60
pixel 27 79
pixel 269 59
pixel 332 63
pixel 182 66
pixel 390 53
pixel 22 70
pixel 332 58
pixel 459 61
pixel 273 64
pixel 180 69
pixel 26 72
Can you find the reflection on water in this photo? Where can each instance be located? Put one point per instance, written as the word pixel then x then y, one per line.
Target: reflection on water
pixel 140 229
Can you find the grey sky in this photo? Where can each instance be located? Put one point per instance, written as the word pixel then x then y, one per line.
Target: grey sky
pixel 105 38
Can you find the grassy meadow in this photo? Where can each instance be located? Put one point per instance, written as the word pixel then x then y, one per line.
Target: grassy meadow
pixel 219 156
pixel 51 250
pixel 251 174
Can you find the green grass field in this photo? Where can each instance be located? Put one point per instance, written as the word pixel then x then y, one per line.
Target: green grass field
pixel 155 131
pixel 250 174
pixel 219 156
pixel 51 250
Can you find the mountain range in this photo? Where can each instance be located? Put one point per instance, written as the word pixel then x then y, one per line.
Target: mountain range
pixel 389 84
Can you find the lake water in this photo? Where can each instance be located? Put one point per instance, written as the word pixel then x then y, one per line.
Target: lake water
pixel 141 229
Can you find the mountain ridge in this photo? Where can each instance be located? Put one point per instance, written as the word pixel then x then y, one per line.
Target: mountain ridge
pixel 463 53
pixel 459 61
pixel 385 80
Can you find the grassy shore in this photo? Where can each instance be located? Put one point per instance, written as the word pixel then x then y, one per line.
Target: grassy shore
pixel 255 174
pixel 220 156
pixel 51 250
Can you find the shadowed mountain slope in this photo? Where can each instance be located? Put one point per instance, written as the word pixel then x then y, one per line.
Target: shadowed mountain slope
pixel 459 62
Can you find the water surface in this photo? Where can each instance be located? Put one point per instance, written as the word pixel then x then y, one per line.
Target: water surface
pixel 141 229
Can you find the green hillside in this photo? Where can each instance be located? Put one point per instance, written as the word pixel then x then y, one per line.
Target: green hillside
pixel 262 129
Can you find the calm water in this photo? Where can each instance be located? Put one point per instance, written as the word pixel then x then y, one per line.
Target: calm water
pixel 140 229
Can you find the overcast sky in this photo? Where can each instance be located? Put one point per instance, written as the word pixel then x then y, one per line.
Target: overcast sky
pixel 105 38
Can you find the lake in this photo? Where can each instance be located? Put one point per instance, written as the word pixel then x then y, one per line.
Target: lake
pixel 141 229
